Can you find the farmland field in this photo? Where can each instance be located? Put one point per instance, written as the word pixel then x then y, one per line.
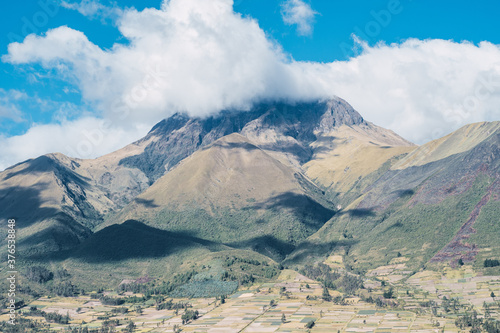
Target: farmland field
pixel 292 301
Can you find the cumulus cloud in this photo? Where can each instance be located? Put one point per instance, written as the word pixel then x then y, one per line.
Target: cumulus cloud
pixel 8 104
pixel 87 137
pixel 421 89
pixel 200 57
pixel 299 13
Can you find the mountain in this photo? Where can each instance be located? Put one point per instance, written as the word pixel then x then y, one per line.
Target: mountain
pixel 50 204
pixel 438 204
pixel 233 192
pixel 280 182
pixel 344 158
pixel 61 201
pixel 58 200
pixel 283 128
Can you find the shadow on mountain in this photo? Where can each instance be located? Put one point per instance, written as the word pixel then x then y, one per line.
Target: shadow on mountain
pixel 60 232
pixel 146 203
pixel 233 145
pixel 308 250
pixel 404 193
pixel 325 144
pixel 322 149
pixel 300 205
pixel 45 164
pixel 394 226
pixel 358 212
pixel 361 212
pixel 135 240
pixel 24 204
pixel 267 245
pixel 302 153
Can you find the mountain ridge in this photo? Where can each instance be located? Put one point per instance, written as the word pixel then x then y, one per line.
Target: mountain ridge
pixel 295 183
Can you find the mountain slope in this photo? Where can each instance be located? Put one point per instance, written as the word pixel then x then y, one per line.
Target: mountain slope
pixel 346 155
pixel 50 204
pixel 58 200
pixel 283 129
pixel 235 193
pixel 85 191
pixel 428 207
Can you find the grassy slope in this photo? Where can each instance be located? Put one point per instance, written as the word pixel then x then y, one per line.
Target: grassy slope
pixel 235 193
pixel 417 210
pixel 348 154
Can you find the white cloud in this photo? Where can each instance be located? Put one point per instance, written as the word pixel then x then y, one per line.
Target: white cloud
pixel 8 104
pixel 299 13
pixel 199 56
pixel 421 89
pixel 92 9
pixel 85 138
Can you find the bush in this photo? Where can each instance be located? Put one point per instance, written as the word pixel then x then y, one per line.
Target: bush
pixel 189 315
pixel 389 293
pixel 491 263
pixel 39 274
pixel 66 289
pixel 106 300
pixel 51 317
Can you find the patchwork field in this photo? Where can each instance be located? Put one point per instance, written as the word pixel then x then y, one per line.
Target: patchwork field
pixel 291 302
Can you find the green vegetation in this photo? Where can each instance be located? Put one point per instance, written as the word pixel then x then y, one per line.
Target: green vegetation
pixel 25 325
pixel 106 300
pixel 39 274
pixel 332 279
pixel 310 324
pixel 491 263
pixel 189 315
pixel 51 317
pixel 389 293
pixel 475 324
pixel 207 288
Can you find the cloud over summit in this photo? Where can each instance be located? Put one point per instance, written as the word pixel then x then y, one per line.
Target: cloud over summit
pixel 200 57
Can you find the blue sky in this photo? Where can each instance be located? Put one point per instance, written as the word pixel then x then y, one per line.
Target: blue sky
pixel 338 19
pixel 40 87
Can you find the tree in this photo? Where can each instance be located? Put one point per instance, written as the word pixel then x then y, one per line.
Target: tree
pixel 272 303
pixel 460 262
pixel 189 315
pixel 130 326
pixel 283 318
pixel 389 293
pixel 326 294
pixel 310 324
pixel 492 295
